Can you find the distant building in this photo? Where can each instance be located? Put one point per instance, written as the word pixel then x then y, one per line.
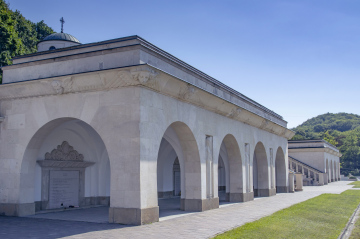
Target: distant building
pixel 317 160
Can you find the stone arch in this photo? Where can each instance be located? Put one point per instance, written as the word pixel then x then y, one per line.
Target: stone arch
pixel 280 172
pixel 183 141
pixel 230 154
pixel 84 139
pixel 261 183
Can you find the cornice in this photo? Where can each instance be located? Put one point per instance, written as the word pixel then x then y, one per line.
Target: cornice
pixel 143 76
pixel 103 48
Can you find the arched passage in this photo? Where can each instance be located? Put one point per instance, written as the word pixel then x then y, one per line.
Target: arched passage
pixel 230 170
pixel 280 172
pixel 331 171
pixel 179 145
pixel 65 153
pixel 261 183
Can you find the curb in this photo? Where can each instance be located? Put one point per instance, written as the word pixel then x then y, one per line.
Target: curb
pixel 346 233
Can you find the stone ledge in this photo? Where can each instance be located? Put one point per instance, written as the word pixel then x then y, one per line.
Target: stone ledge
pixel 133 216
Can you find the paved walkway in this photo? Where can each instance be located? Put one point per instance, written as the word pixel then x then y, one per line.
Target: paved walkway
pixel 193 225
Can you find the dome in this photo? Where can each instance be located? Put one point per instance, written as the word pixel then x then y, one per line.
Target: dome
pixel 61 37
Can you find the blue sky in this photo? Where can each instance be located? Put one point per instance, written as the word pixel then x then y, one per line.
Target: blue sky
pixel 299 58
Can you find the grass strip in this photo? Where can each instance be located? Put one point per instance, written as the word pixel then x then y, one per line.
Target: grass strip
pixel 324 216
pixel 356 184
pixel 355 234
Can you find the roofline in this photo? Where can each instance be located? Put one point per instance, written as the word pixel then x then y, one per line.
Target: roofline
pixel 79 46
pixel 311 140
pixel 56 40
pixel 166 55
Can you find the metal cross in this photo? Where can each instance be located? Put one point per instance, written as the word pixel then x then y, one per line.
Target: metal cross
pixel 62 24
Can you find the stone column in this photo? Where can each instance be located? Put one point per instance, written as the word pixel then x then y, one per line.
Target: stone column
pixel 291 182
pixel 321 179
pixel 325 178
pixel 132 150
pixel 299 182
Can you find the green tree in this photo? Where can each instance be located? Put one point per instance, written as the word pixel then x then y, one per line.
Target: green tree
pixel 43 30
pixel 341 130
pixel 10 43
pixel 329 138
pixel 18 35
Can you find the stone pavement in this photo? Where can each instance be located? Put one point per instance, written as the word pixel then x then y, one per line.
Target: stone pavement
pixel 193 225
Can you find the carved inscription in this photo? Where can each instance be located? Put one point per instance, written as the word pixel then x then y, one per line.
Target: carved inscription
pixel 64 189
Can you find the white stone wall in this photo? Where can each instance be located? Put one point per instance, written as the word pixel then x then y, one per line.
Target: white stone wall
pixel 312 157
pixel 114 115
pixel 158 112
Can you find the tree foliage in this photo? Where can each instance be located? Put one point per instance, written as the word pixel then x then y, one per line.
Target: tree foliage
pixel 18 36
pixel 341 130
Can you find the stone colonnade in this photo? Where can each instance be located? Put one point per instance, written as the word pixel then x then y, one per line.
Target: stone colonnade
pixel 129 124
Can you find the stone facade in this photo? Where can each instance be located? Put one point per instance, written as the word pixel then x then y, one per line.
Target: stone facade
pixel 131 110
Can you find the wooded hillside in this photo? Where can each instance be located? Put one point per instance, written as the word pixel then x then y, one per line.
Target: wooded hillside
pixel 18 36
pixel 341 130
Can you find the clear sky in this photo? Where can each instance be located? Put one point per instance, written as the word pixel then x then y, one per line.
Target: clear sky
pixel 299 58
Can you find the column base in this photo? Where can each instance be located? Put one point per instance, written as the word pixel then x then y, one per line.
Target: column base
pixel 241 197
pixel 133 216
pixel 282 189
pixel 264 192
pixel 17 209
pixel 199 205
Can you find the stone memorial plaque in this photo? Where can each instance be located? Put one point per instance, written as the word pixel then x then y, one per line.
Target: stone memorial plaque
pixel 64 189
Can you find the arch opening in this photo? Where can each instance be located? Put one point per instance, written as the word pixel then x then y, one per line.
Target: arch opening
pixel 261 184
pixel 178 171
pixel 65 164
pixel 230 171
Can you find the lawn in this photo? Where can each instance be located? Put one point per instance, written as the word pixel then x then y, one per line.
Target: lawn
pixel 324 216
pixel 356 183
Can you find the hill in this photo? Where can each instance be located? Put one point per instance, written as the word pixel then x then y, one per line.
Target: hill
pixel 341 130
pixel 18 36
